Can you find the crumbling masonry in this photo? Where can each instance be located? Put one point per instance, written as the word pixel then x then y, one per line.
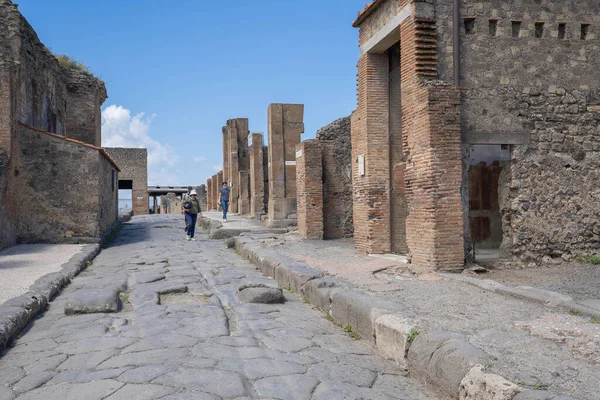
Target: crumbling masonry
pixel 477 128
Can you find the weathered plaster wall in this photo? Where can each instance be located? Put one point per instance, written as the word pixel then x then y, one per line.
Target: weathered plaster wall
pixel 7 230
pixel 546 89
pixel 133 164
pixel 337 179
pixel 85 95
pixel 108 193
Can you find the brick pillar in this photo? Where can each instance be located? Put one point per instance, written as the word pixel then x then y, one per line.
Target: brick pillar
pixel 432 146
pixel 333 188
pixel 309 182
pixel 285 124
pixel 257 180
pixel 218 185
pixel 226 154
pixel 370 139
pixel 234 169
pixel 202 197
pixel 244 166
pixel 209 197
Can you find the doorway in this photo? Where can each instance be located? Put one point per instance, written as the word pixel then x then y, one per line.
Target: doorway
pixel 125 195
pixel 486 163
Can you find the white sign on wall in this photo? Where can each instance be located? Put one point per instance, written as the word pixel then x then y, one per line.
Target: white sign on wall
pixel 361 165
pixel 299 154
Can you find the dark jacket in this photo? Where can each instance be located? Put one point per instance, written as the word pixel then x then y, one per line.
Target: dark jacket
pixel 195 207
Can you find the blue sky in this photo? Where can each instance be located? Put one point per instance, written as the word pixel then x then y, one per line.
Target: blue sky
pixel 177 70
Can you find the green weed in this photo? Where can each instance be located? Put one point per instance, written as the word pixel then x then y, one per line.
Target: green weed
pixel 88 263
pixel 348 329
pixel 595 321
pixel 575 313
pixel 412 335
pixel 328 318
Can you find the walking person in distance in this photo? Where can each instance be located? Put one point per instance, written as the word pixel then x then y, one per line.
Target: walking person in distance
pixel 185 198
pixel 224 199
pixel 192 210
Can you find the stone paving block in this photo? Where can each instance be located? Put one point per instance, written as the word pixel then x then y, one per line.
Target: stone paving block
pixel 258 282
pixel 287 343
pixel 222 383
pixel 294 275
pixel 141 392
pixel 87 360
pixel 320 292
pixel 6 393
pixel 443 359
pixel 10 375
pixel 540 395
pixel 92 300
pixel 257 368
pixel 144 277
pixel 97 390
pixel 33 381
pixel 144 358
pixel 79 376
pixel 45 364
pixel 332 390
pixel 478 385
pixel 261 295
pixel 334 372
pixel 194 396
pixel 290 387
pixel 146 373
pixel 98 344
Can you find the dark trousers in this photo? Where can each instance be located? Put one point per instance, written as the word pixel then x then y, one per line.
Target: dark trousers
pixel 191 223
pixel 225 206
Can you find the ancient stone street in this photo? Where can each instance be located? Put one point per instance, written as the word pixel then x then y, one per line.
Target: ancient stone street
pixel 182 333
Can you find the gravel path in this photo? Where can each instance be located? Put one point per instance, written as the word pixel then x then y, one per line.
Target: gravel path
pixel 21 265
pixel 198 343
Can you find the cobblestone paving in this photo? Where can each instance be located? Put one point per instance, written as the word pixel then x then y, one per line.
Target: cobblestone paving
pixel 195 340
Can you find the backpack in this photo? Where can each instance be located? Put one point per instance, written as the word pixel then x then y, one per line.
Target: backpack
pixel 187 205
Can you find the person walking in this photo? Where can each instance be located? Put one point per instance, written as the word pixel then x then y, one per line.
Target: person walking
pixel 192 210
pixel 185 197
pixel 224 199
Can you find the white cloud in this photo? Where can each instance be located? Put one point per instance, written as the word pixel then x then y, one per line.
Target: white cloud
pixel 217 167
pixel 121 129
pixel 199 159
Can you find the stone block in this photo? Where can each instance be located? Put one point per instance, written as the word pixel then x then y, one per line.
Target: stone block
pixel 478 385
pixel 360 310
pixel 320 292
pixel 540 395
pixel 260 295
pixel 93 300
pixel 258 282
pixel 442 360
pixel 392 337
pixel 294 275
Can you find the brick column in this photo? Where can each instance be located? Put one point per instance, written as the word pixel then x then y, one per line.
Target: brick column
pixel 218 185
pixel 209 197
pixel 226 153
pixel 432 146
pixel 333 188
pixel 309 182
pixel 370 139
pixel 234 170
pixel 257 180
pixel 285 124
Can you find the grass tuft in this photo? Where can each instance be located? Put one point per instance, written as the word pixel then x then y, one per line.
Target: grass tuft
pixel 348 329
pixel 412 335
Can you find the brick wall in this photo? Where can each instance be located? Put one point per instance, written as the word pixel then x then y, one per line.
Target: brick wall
pixel 218 185
pixel 309 174
pixel 209 194
pixel 257 176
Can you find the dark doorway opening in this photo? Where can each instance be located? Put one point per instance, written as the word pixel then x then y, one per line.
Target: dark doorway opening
pixel 486 163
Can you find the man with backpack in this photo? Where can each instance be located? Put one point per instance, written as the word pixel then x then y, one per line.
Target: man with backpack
pixel 185 197
pixel 224 199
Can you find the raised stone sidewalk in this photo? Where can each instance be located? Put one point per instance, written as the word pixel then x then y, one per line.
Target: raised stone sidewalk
pixel 462 340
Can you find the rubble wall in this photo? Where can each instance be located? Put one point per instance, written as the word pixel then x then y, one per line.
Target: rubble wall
pixel 337 179
pixel 544 86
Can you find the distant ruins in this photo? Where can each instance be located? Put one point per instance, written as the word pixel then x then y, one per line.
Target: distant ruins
pixel 50 137
pixel 133 176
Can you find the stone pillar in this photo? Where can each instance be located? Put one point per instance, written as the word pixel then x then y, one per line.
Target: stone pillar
pixel 237 131
pixel 257 180
pixel 202 197
pixel 155 205
pixel 333 192
pixel 244 192
pixel 218 185
pixel 85 96
pixel 309 180
pixel 285 124
pixel 209 195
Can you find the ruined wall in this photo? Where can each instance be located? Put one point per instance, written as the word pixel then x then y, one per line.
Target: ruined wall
pixel 67 186
pixel 337 178
pixel 133 164
pixel 309 173
pixel 108 193
pixel 7 229
pixel 257 176
pixel 539 82
pixel 85 95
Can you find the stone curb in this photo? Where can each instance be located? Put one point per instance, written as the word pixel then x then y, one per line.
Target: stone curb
pixel 18 312
pixel 444 360
pixel 546 297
